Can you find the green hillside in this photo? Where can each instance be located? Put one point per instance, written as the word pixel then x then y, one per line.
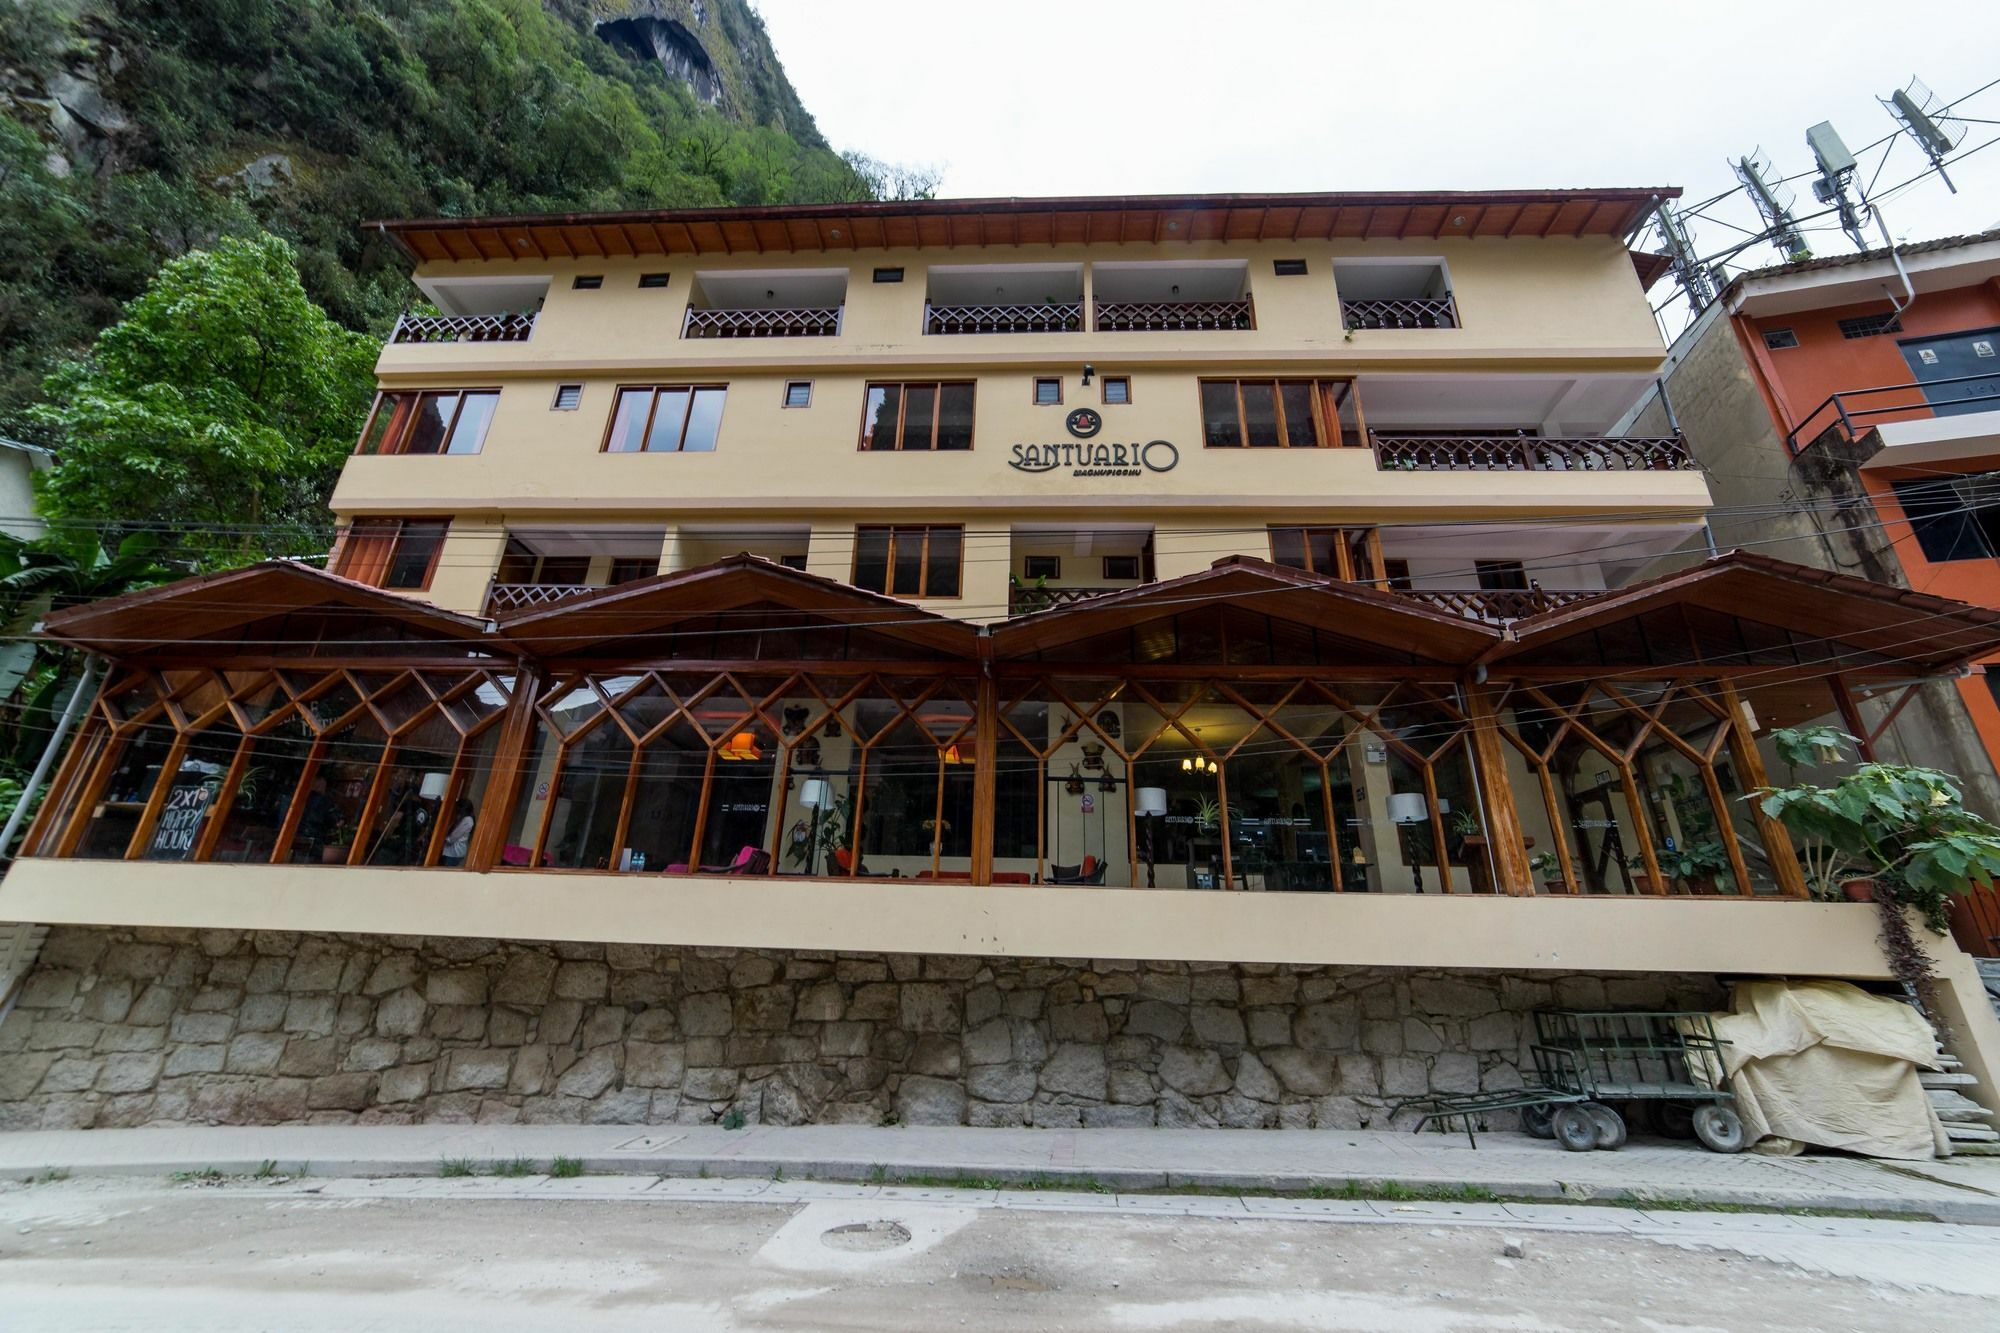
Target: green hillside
pixel 136 130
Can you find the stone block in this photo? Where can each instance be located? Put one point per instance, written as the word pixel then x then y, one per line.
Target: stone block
pixel 1268 991
pixel 195 1029
pixel 1167 988
pixel 632 957
pixel 1450 997
pixel 532 1071
pixel 1404 1076
pixel 930 1007
pixel 654 1025
pixel 582 981
pixel 930 1101
pixel 1455 1071
pixel 707 1015
pixel 1269 1027
pixel 936 1055
pixel 1055 1115
pixel 341 1092
pixel 392 972
pixel 591 1075
pixel 861 969
pixel 261 1013
pixel 1498 1031
pixel 1332 1026
pixel 1635 993
pixel 1360 1076
pixel 79 947
pixel 310 1057
pixel 1307 1073
pixel 506 1027
pixel 1216 988
pixel 458 1022
pixel 752 970
pixel 115 1038
pixel 526 979
pixel 1076 1068
pixel 703 974
pixel 1422 1036
pixel 400 1014
pixel 999 1083
pixel 904 966
pixel 1193 1071
pixel 312 1015
pixel 276 1100
pixel 461 985
pixel 1381 1037
pixel 1119 1117
pixel 559 1022
pixel 1030 1047
pixel 982 1004
pixel 822 1002
pixel 709 1085
pixel 1079 1022
pixel 1338 1113
pixel 765 1008
pixel 844 1039
pixel 110 1000
pixel 1132 1087
pixel 1153 1018
pixel 267 975
pixel 1235 1112
pixel 407 1083
pixel 998 1115
pixel 1026 1004
pixel 1217 1025
pixel 1177 1112
pixel 154 1007
pixel 216 999
pixel 369 1054
pixel 138 962
pixel 72 1073
pixel 316 967
pixel 604 1027
pixel 1581 993
pixel 48 988
pixel 254 1053
pixel 653 1064
pixel 194 1060
pixel 989 1043
pixel 1255 1081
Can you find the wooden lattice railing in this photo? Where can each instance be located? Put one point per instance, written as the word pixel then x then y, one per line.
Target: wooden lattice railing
pixel 1527 453
pixel 1128 316
pixel 1425 312
pixel 800 323
pixel 1498 604
pixel 1059 317
pixel 463 329
pixel 1027 601
pixel 515 596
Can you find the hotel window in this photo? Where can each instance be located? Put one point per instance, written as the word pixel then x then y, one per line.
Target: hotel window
pixel 1121 568
pixel 626 568
pixel 429 421
pixel 649 281
pixel 587 282
pixel 1502 575
pixel 799 393
pixel 917 417
pixel 1349 554
pixel 1280 414
pixel 1953 518
pixel 1779 339
pixel 912 561
pixel 569 397
pixel 1042 566
pixel 1048 393
pixel 1117 389
pixel 1397 574
pixel 666 419
pixel 398 553
pixel 1871 326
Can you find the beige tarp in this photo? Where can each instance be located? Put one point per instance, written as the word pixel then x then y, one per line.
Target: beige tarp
pixel 1828 1064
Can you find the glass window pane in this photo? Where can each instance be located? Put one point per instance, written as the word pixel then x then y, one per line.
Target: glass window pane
pixel 433 418
pixel 1260 413
pixel 919 410
pixel 588 800
pixel 469 432
pixel 1319 549
pixel 1117 391
pixel 389 410
pixel 884 412
pixel 337 794
pixel 942 580
pixel 628 422
pixel 704 421
pixel 1288 547
pixel 871 559
pixel 669 415
pixel 955 417
pixel 907 579
pixel 1298 402
pixel 1219 426
pixel 410 563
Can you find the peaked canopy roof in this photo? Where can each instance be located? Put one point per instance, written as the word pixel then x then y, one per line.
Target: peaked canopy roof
pixel 1089 219
pixel 312 609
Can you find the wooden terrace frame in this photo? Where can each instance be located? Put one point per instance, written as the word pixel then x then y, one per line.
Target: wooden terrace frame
pixel 1325 395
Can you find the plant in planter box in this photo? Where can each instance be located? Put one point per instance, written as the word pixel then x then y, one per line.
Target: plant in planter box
pixel 1693 866
pixel 1548 867
pixel 1906 828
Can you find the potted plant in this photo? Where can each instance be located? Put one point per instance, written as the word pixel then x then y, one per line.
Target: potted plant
pixel 1693 866
pixel 1903 828
pixel 1548 867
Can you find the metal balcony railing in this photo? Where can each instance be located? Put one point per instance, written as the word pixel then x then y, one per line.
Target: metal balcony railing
pixel 1426 312
pixel 1527 453
pixel 1497 605
pixel 463 329
pixel 1058 317
pixel 516 596
pixel 1027 601
pixel 816 322
pixel 1855 412
pixel 1165 316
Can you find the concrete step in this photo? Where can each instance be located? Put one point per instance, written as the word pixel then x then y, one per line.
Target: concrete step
pixel 1950 1106
pixel 1971 1133
pixel 1930 1080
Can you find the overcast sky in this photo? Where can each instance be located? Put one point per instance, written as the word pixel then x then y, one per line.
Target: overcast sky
pixel 1030 97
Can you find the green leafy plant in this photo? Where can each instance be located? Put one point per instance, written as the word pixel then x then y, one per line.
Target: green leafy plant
pixel 455 1167
pixel 827 832
pixel 1690 863
pixel 515 1167
pixel 566 1168
pixel 734 1118
pixel 1903 826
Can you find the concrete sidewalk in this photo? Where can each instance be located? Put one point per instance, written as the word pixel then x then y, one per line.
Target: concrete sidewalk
pixel 1508 1165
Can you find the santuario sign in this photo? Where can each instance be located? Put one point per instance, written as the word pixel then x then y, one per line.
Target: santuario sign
pixel 1088 458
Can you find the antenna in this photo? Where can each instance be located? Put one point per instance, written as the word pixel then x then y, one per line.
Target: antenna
pixel 1694 277
pixel 1925 121
pixel 1774 204
pixel 1836 173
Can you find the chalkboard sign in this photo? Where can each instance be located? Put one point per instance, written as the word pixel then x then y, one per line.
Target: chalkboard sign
pixel 180 821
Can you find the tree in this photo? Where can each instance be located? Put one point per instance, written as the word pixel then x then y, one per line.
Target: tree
pixel 216 412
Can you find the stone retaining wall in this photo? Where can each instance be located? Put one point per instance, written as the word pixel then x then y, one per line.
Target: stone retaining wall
pixel 133 1027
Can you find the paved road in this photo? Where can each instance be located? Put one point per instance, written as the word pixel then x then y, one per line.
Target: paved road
pixel 694 1256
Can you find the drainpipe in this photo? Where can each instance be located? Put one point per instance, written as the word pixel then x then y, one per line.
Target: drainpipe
pixel 1909 288
pixel 84 686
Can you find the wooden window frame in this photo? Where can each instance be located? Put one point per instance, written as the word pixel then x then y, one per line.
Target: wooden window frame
pixel 1289 268
pixel 1503 567
pixel 646 432
pixel 377 569
pixel 396 447
pixel 1028 567
pixel 1345 569
pixel 653 282
pixel 861 444
pixel 1104 390
pixel 785 399
pixel 1035 390
pixel 923 560
pixel 1327 430
pixel 1138 568
pixel 587 282
pixel 886 275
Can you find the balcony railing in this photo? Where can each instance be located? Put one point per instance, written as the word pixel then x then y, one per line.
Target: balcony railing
pixel 463 329
pixel 1498 605
pixel 816 322
pixel 1426 312
pixel 1528 453
pixel 1059 317
pixel 516 596
pixel 1027 601
pixel 1855 412
pixel 1164 316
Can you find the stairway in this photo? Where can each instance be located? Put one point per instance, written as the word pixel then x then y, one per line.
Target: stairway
pixel 1964 1119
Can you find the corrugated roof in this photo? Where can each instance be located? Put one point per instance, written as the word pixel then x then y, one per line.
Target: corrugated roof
pixel 1816 264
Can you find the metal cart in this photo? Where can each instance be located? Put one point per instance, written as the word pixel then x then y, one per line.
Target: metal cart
pixel 1668 1062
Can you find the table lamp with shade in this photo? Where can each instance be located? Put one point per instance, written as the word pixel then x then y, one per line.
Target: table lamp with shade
pixel 1407 810
pixel 816 795
pixel 1149 803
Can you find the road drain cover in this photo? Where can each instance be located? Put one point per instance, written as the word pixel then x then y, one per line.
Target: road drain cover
pixel 866 1236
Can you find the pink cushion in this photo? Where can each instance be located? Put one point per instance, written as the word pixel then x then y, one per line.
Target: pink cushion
pixel 743 858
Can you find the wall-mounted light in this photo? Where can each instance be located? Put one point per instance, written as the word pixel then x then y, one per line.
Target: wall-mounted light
pixel 1088 371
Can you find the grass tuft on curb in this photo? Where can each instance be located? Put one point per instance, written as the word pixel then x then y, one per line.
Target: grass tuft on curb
pixel 566 1168
pixel 456 1167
